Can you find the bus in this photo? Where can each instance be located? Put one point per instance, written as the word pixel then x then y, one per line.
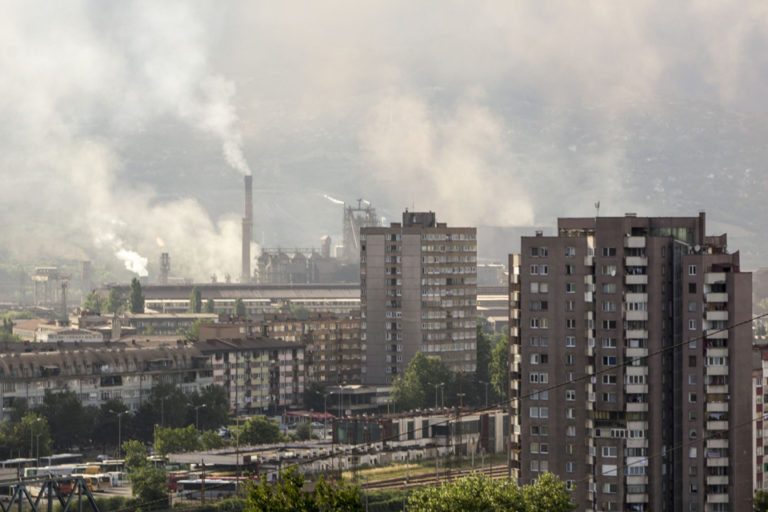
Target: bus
pixel 215 487
pixel 61 458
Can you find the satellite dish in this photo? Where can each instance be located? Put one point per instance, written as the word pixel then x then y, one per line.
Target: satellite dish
pixel 613 273
pixel 697 248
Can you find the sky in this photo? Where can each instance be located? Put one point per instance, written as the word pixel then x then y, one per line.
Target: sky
pixel 127 126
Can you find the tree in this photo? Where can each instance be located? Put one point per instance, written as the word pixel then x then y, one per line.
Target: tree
pixel 176 440
pixel 314 396
pixel 478 492
pixel 288 495
pixel 483 355
pixel 169 404
pixel 499 369
pixel 135 454
pixel 150 485
pixel 195 300
pixel 114 301
pixel 239 307
pixel 260 430
pixel 106 423
pixel 760 501
pixel 212 408
pixel 210 440
pixel 209 306
pixel 136 299
pixel 25 436
pixel 414 388
pixel 95 303
pixel 303 431
pixel 66 415
pixel 299 313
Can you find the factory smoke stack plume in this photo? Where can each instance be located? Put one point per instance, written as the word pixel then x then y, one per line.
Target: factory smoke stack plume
pixel 247 229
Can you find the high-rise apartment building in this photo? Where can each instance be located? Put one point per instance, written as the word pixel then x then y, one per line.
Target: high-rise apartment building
pixel 631 352
pixel 418 284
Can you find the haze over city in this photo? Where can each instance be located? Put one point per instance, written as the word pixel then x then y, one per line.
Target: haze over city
pixel 128 127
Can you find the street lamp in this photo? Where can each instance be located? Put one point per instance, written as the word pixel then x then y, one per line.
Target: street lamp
pixel 325 415
pixel 119 428
pixel 197 410
pixel 31 432
pixel 37 438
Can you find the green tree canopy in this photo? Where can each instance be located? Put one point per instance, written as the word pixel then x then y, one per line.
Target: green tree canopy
pixel 260 430
pixel 150 485
pixel 210 440
pixel 303 431
pixel 314 396
pixel 209 306
pixel 213 408
pixel 499 369
pixel 177 440
pixel 478 492
pixel 66 415
pixel 135 454
pixel 195 300
pixel 114 301
pixel 136 299
pixel 760 501
pixel 239 307
pixel 95 303
pixel 288 495
pixel 24 436
pixel 416 387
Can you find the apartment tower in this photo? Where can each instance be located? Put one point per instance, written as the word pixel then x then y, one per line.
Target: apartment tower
pixel 631 352
pixel 418 284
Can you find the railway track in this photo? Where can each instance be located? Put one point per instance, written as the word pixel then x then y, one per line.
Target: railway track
pixel 442 476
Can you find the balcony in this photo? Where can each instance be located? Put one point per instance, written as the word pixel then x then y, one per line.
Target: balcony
pixel 641 334
pixel 717 498
pixel 637 315
pixel 716 443
pixel 637 407
pixel 717 352
pixel 713 462
pixel 716 297
pixel 714 277
pixel 717 370
pixel 637 388
pixel 636 352
pixel 717 480
pixel 637 479
pixel 587 296
pixel 636 261
pixel 635 279
pixel 717 334
pixel 634 242
pixel 636 297
pixel 713 426
pixel 717 390
pixel 717 315
pixel 589 260
pixel 637 498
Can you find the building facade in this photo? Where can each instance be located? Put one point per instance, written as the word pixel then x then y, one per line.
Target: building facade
pixel 627 337
pixel 418 282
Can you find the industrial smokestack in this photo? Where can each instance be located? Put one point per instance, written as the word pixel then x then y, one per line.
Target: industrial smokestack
pixel 247 229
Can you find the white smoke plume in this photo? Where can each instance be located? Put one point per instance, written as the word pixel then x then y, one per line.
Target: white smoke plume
pixel 333 200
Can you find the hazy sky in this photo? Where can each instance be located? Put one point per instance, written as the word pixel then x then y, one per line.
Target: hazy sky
pixel 127 125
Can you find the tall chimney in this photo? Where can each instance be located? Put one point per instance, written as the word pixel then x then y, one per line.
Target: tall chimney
pixel 247 229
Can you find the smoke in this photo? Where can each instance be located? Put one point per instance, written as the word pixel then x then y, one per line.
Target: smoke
pixel 88 80
pixel 331 199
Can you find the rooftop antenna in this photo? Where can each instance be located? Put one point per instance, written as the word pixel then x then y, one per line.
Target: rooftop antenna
pixel 597 209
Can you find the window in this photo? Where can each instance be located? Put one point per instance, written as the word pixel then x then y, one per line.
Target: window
pixel 692 306
pixel 534 448
pixel 570 270
pixel 691 324
pixel 535 466
pixel 609 306
pixel 570 252
pixel 570 395
pixel 570 341
pixel 609 378
pixel 691 361
pixel 609 397
pixel 539 323
pixel 691 270
pixel 544 270
pixel 609 342
pixel 691 398
pixel 609 287
pixel 609 360
pixel 534 270
pixel 692 452
pixel 691 287
pixel 570 287
pixel 609 451
pixel 608 270
pixel 570 305
pixel 569 359
pixel 570 414
pixel 539 287
pixel 692 379
pixel 609 324
pixel 570 323
pixel 570 467
pixel 609 251
pixel 570 431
